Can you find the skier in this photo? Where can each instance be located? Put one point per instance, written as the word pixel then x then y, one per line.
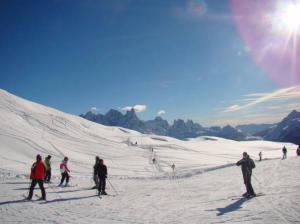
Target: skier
pixel 298 150
pixel 260 156
pixel 37 177
pixel 173 169
pixel 153 160
pixel 64 170
pixel 95 176
pixel 47 164
pixel 102 175
pixel 284 151
pixel 247 165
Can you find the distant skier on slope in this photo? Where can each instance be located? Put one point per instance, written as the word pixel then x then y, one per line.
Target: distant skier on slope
pixel 102 175
pixel 37 177
pixel 173 169
pixel 260 156
pixel 64 170
pixel 95 175
pixel 247 164
pixel 47 164
pixel 298 151
pixel 284 152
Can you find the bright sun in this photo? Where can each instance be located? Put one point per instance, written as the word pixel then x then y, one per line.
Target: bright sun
pixel 288 17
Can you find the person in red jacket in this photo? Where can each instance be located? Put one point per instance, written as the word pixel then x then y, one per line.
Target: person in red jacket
pixel 37 177
pixel 64 170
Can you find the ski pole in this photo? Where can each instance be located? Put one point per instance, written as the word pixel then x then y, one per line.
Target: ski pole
pixel 30 181
pixel 256 180
pixel 112 186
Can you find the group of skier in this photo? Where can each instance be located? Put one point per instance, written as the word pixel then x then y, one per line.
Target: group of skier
pixel 247 164
pixel 284 152
pixel 41 173
pixel 100 175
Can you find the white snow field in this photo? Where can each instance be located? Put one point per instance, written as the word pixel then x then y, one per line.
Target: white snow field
pixel 205 189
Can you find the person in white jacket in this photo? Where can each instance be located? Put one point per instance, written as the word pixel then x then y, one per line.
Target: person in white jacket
pixel 64 170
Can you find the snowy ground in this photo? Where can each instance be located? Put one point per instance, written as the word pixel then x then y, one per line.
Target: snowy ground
pixel 204 190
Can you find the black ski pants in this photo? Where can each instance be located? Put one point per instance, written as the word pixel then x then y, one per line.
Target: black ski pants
pixel 64 176
pixel 247 181
pixel 41 185
pixel 48 175
pixel 102 184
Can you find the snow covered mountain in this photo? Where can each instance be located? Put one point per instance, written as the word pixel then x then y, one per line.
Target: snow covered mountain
pixel 205 188
pixel 180 129
pixel 288 130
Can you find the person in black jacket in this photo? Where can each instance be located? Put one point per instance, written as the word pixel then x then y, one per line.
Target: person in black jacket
pixel 95 176
pixel 284 151
pixel 247 164
pixel 102 174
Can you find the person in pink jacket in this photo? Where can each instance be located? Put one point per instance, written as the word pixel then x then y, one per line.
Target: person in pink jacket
pixel 64 170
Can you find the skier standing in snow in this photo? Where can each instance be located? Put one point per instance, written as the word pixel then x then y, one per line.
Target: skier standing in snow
pixel 153 160
pixel 247 164
pixel 95 176
pixel 47 164
pixel 102 174
pixel 37 177
pixel 284 152
pixel 298 151
pixel 260 156
pixel 64 170
pixel 173 169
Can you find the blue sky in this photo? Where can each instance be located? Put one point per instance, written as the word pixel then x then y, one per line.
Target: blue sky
pixel 187 58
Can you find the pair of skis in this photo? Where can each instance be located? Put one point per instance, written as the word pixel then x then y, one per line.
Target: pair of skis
pixel 36 196
pixel 246 197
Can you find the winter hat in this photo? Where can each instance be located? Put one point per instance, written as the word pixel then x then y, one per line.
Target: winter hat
pixel 38 157
pixel 49 157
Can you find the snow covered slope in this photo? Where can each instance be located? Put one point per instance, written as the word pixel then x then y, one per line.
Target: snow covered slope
pixel 204 179
pixel 28 128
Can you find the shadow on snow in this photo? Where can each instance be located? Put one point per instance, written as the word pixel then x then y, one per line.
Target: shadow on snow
pixel 68 199
pixel 232 207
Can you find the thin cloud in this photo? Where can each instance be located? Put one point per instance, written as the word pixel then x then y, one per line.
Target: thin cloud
pixel 137 108
pixel 161 112
pixel 259 98
pixel 94 110
pixel 252 119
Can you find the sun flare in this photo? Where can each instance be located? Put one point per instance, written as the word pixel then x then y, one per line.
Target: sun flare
pixel 289 17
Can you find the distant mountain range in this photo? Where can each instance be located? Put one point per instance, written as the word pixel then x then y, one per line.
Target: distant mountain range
pixel 179 129
pixel 288 130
